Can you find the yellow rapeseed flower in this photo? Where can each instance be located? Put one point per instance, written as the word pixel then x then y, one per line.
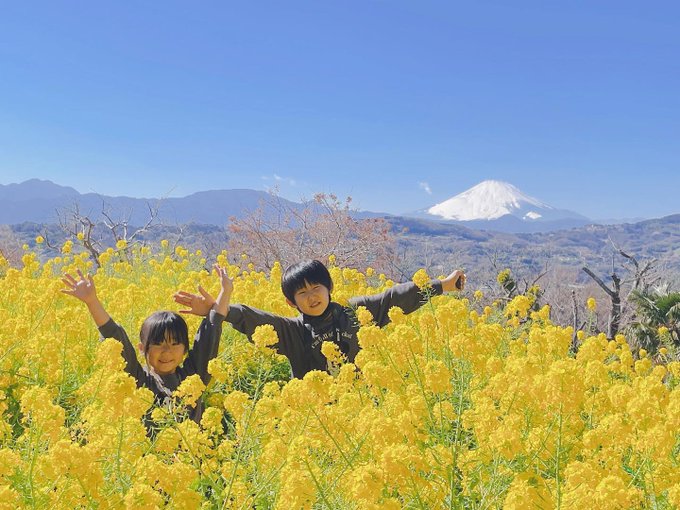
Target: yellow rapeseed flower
pixel 421 279
pixel 265 336
pixel 190 390
pixel 503 276
pixel 332 352
pixel 514 386
pixel 364 316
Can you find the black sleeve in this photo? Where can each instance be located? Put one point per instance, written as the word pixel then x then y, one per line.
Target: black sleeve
pixel 206 345
pixel 245 319
pixel 406 296
pixel 113 330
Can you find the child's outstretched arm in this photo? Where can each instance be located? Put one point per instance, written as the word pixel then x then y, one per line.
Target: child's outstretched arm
pixel 406 296
pixel 84 290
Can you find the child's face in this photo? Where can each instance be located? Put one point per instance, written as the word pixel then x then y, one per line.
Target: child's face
pixel 166 357
pixel 312 299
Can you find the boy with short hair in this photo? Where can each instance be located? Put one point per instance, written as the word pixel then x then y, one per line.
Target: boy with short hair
pixel 307 286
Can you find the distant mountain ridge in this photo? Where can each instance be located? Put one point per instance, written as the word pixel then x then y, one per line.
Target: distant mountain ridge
pixel 38 201
pixel 490 205
pixel 200 219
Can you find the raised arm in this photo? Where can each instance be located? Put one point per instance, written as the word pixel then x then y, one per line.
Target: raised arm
pixel 200 304
pixel 84 290
pixel 207 340
pixel 243 318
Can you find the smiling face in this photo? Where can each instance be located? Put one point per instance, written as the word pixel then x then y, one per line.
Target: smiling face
pixel 165 357
pixel 164 341
pixel 312 299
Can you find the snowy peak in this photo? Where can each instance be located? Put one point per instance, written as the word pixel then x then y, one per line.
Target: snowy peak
pixel 497 205
pixel 490 200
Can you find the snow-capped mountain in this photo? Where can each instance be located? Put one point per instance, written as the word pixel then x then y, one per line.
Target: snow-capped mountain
pixel 497 205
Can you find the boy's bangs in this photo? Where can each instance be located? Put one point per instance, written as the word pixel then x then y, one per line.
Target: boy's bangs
pixel 307 272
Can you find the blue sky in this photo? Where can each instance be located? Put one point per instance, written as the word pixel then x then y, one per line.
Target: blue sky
pixel 397 104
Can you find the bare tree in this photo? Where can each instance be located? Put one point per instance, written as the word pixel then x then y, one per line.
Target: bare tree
pixel 121 228
pixel 10 246
pixel 641 277
pixel 614 294
pixel 643 274
pixel 93 234
pixel 277 231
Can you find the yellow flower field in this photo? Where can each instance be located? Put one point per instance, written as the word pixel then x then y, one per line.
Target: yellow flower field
pixel 453 406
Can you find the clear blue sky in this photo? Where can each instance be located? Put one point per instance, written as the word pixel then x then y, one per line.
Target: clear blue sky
pixel 398 104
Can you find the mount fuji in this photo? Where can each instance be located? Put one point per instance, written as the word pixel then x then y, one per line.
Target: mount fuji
pixel 497 205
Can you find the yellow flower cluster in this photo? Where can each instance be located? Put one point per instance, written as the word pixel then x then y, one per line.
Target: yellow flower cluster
pixel 190 390
pixel 421 279
pixel 450 406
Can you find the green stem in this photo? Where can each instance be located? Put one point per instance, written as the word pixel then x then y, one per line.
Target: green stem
pixel 414 486
pixel 241 447
pixel 332 437
pixel 119 449
pixel 317 484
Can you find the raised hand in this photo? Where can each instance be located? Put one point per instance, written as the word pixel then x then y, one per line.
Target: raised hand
pixel 84 290
pixel 201 303
pixel 226 282
pixel 81 288
pixel 198 304
pixel 227 287
pixel 455 281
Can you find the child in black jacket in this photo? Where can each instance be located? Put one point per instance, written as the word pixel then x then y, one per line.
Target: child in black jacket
pixel 307 286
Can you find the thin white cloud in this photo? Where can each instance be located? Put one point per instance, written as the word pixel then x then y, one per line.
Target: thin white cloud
pixel 425 186
pixel 280 180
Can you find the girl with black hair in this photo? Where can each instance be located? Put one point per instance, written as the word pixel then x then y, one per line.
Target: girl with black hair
pixel 163 340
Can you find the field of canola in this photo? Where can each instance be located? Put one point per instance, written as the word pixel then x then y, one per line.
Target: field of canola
pixel 454 406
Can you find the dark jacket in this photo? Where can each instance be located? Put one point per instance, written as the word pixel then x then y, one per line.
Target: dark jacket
pixel 300 337
pixel 206 344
